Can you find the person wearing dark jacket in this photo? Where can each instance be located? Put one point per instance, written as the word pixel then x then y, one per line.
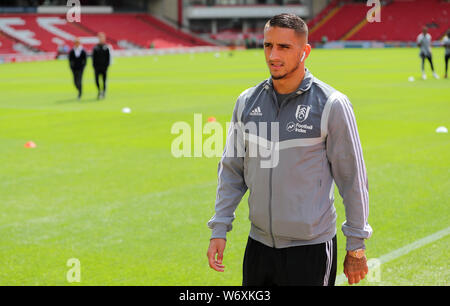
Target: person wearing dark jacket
pixel 101 59
pixel 77 60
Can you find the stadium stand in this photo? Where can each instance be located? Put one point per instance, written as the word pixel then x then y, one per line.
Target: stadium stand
pixel 402 20
pixel 339 20
pixel 186 38
pixel 6 45
pixel 315 23
pixel 48 32
pixel 136 29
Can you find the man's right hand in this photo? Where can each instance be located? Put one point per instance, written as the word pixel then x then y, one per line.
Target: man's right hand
pixel 216 246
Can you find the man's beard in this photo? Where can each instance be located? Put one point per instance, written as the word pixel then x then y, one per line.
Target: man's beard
pixel 284 75
pixel 279 77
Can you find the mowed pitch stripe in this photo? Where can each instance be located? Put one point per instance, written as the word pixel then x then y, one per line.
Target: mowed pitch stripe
pixel 340 279
pixel 109 205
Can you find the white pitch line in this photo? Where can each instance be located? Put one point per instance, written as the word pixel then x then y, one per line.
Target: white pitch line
pixel 340 279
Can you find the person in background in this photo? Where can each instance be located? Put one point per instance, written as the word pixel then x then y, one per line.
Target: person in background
pixel 446 43
pixel 424 43
pixel 77 61
pixel 101 59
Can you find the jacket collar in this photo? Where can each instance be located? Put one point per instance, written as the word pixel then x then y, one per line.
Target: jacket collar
pixel 305 85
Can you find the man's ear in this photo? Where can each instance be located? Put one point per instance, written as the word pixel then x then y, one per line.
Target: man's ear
pixel 306 52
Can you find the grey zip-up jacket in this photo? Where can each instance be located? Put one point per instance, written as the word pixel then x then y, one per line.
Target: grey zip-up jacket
pixel 291 201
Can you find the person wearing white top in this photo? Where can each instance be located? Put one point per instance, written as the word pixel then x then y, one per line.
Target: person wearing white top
pixel 424 43
pixel 446 43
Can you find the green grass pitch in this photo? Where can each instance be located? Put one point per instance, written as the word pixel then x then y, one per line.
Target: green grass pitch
pixel 102 186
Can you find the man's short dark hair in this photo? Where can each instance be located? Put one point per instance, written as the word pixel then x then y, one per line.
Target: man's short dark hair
pixel 289 21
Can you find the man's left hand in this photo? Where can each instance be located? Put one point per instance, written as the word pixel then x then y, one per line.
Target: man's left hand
pixel 355 268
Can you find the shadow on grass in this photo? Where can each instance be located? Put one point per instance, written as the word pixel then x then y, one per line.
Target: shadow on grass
pixel 75 100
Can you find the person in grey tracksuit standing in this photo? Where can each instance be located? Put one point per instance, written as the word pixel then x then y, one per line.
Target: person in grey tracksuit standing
pixel 291 138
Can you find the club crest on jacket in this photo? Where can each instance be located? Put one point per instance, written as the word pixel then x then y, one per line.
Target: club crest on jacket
pixel 302 112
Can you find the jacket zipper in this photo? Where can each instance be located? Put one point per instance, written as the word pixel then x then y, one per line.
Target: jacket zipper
pixel 270 177
pixel 271 168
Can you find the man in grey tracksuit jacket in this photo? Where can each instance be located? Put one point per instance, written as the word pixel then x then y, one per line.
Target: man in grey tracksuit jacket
pixel 316 145
pixel 292 204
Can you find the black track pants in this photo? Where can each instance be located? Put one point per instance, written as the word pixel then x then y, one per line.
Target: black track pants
pixel 309 265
